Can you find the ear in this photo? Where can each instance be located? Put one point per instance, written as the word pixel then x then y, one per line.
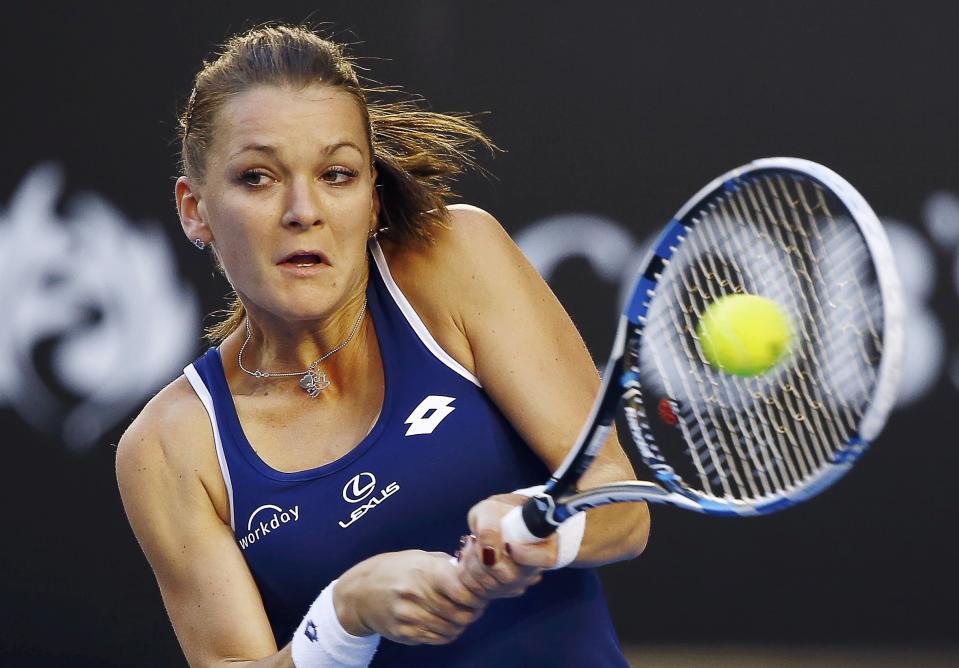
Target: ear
pixel 376 204
pixel 191 212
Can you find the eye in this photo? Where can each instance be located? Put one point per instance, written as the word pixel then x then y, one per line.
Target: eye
pixel 339 175
pixel 255 178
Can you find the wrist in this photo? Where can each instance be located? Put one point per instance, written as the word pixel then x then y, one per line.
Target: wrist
pixel 321 640
pixel 347 601
pixel 569 534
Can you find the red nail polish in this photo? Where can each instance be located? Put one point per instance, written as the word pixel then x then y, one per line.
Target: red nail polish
pixel 489 556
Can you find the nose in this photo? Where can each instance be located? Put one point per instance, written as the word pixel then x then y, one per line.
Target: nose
pixel 303 206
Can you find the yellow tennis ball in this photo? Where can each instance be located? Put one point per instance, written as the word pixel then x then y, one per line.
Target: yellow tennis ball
pixel 745 335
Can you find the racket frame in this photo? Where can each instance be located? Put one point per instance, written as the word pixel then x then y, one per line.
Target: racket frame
pixel 544 512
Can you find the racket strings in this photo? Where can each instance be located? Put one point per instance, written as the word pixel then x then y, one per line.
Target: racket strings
pixel 748 438
pixel 759 417
pixel 843 255
pixel 760 457
pixel 805 274
pixel 731 419
pixel 719 282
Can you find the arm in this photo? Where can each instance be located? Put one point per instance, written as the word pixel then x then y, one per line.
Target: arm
pixel 176 503
pixel 207 589
pixel 532 362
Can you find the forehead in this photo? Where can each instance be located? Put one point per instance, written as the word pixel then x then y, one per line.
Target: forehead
pixel 282 116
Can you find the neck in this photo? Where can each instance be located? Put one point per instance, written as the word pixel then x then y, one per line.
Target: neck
pixel 276 346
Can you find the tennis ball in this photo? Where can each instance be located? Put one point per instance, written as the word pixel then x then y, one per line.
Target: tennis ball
pixel 744 335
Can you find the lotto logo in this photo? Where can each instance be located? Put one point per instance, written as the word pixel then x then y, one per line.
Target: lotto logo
pixel 428 415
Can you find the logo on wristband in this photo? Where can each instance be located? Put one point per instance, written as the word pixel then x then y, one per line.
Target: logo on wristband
pixel 261 523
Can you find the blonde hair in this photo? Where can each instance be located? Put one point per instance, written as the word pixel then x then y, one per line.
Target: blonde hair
pixel 417 153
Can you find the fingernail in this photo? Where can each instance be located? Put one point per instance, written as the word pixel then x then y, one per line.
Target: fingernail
pixel 489 556
pixel 508 551
pixel 463 541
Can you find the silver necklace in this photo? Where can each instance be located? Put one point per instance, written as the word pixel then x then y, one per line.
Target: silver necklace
pixel 313 381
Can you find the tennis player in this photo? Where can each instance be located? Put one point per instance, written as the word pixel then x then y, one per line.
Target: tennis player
pixel 391 365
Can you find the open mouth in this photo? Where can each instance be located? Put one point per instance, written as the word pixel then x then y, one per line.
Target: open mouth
pixel 303 259
pixel 306 260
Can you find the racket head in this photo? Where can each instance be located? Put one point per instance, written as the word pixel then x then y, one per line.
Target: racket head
pixel 795 232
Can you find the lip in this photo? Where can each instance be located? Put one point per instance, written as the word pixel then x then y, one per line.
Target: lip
pixel 305 272
pixel 324 260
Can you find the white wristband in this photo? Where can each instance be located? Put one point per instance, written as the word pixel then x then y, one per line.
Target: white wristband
pixel 322 642
pixel 569 534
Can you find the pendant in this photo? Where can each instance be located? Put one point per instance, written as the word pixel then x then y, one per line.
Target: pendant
pixel 314 382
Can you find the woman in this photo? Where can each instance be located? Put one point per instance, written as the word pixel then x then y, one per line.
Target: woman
pixel 379 381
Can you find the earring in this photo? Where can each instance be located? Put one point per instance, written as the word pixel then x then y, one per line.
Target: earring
pixel 376 233
pixel 199 243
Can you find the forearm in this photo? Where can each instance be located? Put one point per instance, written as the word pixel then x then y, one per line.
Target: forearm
pixel 615 532
pixel 321 641
pixel 282 659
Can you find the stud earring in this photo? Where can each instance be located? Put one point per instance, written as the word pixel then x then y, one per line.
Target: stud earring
pixel 199 243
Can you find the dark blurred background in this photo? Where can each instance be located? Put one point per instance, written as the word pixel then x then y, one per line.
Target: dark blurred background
pixel 611 115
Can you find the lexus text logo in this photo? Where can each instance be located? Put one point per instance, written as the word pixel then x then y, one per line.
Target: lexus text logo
pixel 359 488
pixel 265 520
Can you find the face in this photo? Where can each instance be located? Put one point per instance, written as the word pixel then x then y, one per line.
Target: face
pixel 288 199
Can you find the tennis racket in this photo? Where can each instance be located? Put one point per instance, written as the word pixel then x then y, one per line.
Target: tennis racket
pixel 791 231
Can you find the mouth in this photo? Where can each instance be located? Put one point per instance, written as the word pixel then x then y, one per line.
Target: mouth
pixel 304 259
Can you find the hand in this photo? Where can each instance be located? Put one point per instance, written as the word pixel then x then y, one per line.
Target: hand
pixel 409 597
pixel 491 569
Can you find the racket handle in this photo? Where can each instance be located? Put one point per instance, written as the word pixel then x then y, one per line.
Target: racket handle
pixel 527 523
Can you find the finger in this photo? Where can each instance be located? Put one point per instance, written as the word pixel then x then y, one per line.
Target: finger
pixel 503 580
pixel 475 575
pixel 539 555
pixel 427 614
pixel 410 634
pixel 445 596
pixel 504 568
pixel 452 587
pixel 485 518
pixel 471 584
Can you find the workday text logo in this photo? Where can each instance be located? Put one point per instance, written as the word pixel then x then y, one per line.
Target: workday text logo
pixel 95 316
pixel 360 489
pixel 265 520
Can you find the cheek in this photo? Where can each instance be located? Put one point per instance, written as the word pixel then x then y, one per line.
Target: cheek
pixel 236 233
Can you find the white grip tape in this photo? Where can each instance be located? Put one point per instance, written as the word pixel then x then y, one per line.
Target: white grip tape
pixel 514 528
pixel 322 642
pixel 569 534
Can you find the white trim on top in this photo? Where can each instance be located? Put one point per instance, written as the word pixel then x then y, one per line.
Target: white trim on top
pixel 414 319
pixel 201 391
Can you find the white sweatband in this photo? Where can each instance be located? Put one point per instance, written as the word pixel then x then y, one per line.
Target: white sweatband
pixel 569 534
pixel 322 642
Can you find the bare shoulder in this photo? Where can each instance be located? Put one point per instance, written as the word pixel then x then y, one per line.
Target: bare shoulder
pixel 470 261
pixel 472 237
pixel 170 440
pixel 175 411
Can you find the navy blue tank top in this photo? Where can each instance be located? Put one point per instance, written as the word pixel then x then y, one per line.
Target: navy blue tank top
pixel 439 446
